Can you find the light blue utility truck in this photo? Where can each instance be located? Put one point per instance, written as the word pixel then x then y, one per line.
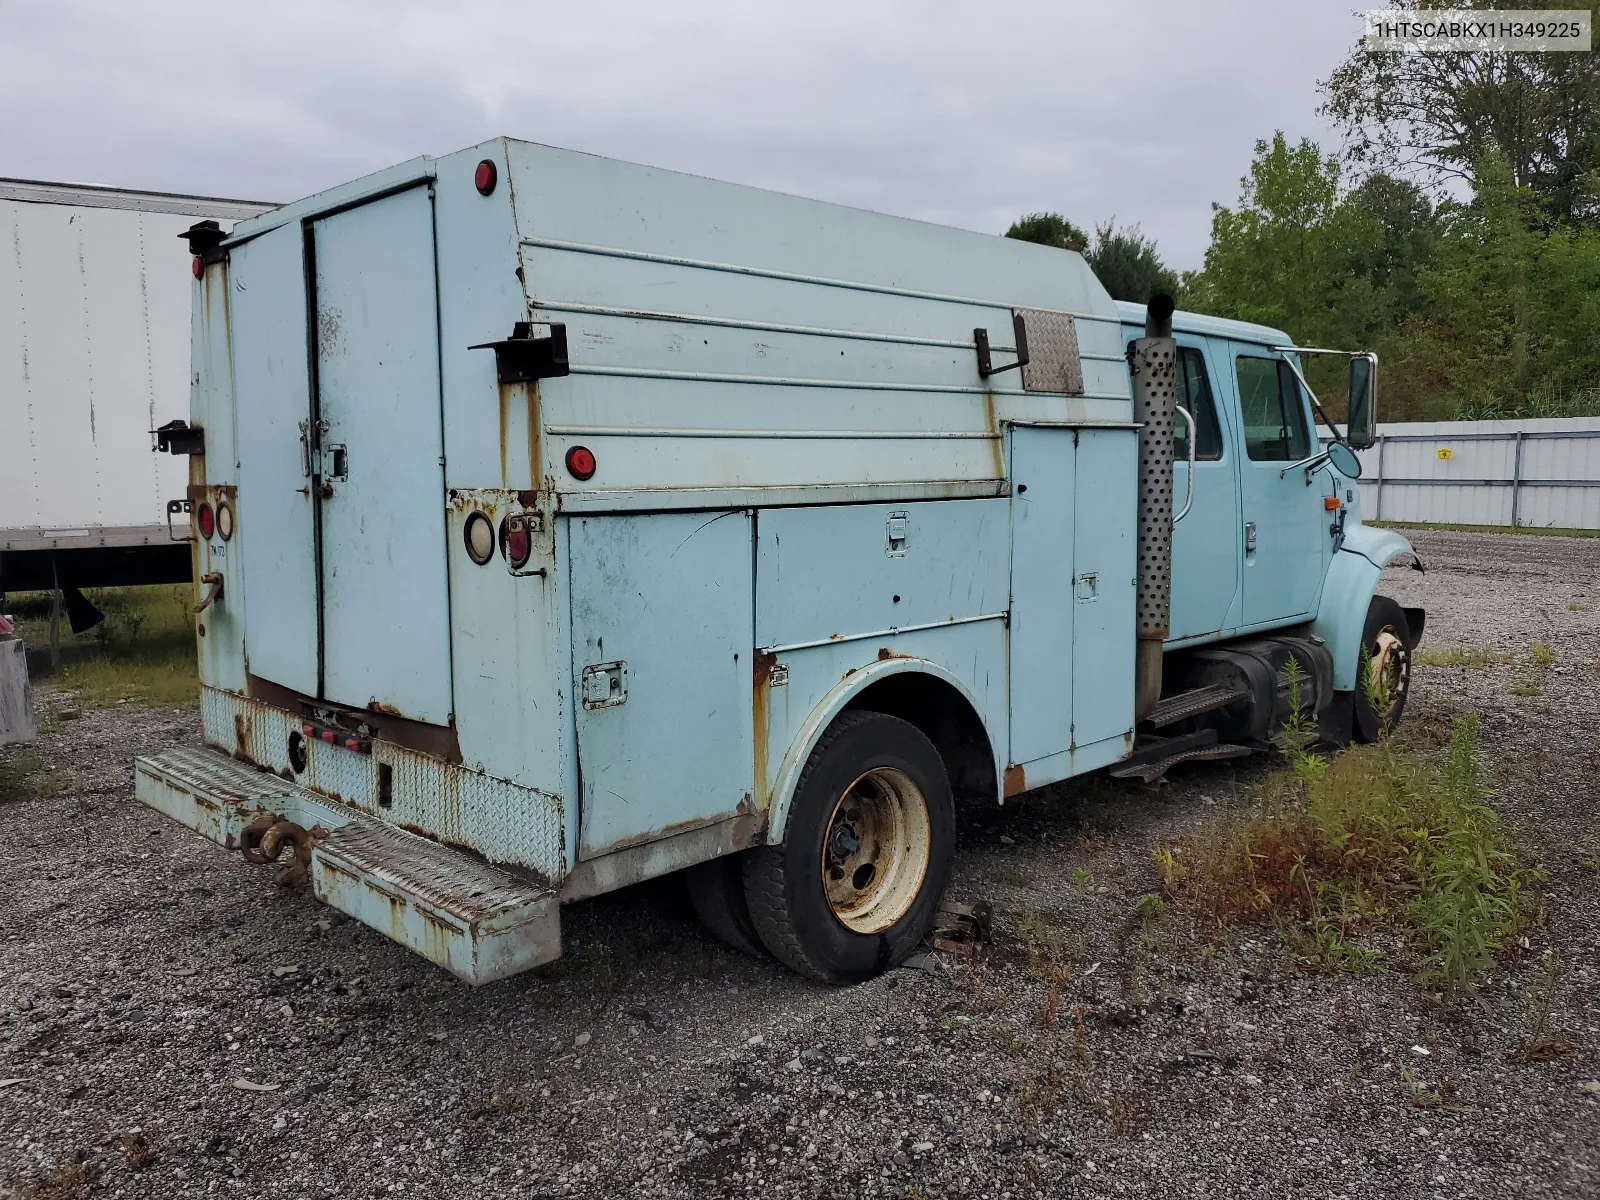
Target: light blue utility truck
pixel 561 522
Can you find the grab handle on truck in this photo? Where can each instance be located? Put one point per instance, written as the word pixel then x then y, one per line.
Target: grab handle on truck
pixel 1194 435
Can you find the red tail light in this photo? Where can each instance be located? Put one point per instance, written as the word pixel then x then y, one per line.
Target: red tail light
pixel 485 176
pixel 515 541
pixel 198 266
pixel 207 520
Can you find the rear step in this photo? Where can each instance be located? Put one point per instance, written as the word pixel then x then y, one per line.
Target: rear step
pixel 1184 705
pixel 477 921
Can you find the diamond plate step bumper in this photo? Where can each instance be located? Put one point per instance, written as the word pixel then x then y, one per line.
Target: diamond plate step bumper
pixel 475 920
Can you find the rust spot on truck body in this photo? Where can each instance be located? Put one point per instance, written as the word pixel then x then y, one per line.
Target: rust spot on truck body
pixel 1015 780
pixel 760 701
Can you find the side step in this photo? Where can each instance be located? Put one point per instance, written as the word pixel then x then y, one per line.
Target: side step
pixel 1150 769
pixel 475 920
pixel 1184 705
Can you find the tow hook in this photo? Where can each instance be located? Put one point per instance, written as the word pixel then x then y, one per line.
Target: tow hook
pixel 213 591
pixel 265 838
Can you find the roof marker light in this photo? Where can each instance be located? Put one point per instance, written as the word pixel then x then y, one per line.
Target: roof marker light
pixel 485 177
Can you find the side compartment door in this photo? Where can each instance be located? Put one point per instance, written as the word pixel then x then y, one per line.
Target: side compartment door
pixel 1103 589
pixel 276 542
pixel 662 635
pixel 1043 504
pixel 385 597
pixel 1284 525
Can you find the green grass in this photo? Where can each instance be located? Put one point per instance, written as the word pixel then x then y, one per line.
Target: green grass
pixel 1531 530
pixel 142 653
pixel 1456 656
pixel 1378 839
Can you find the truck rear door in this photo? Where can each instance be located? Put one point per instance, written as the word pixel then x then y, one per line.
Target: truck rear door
pixel 385 604
pixel 341 478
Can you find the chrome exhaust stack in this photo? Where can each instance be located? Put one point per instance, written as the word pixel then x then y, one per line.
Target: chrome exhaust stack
pixel 1153 365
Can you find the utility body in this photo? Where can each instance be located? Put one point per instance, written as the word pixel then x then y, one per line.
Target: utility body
pixel 587 522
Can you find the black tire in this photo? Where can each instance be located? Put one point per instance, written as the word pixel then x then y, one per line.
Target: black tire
pixel 1384 616
pixel 784 884
pixel 716 889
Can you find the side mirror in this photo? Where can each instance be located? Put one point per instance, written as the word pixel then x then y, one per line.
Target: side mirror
pixel 1344 460
pixel 1362 427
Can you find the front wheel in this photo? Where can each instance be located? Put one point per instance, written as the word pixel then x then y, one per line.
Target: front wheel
pixel 866 852
pixel 1385 682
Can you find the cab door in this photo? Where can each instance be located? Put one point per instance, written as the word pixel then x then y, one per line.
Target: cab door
pixel 1284 525
pixel 1205 543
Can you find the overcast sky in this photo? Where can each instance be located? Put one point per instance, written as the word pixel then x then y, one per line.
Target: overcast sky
pixel 966 113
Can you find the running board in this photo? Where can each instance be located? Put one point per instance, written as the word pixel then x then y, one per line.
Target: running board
pixel 475 920
pixel 1183 705
pixel 1152 769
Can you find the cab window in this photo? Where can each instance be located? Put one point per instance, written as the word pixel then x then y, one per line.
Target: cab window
pixel 1194 394
pixel 1273 414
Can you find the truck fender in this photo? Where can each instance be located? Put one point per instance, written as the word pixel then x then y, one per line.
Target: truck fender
pixel 1347 591
pixel 835 702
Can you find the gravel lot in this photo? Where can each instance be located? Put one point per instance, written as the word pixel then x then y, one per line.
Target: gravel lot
pixel 143 971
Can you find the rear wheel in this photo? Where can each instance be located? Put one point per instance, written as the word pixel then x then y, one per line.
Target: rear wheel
pixel 1380 699
pixel 716 889
pixel 865 856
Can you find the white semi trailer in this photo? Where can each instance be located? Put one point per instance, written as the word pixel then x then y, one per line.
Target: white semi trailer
pixel 94 354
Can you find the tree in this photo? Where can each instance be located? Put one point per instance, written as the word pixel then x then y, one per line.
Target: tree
pixel 1441 115
pixel 1408 234
pixel 1049 229
pixel 1296 254
pixel 1127 264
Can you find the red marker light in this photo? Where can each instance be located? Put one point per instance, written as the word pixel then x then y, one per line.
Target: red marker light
pixel 327 736
pixel 580 462
pixel 485 176
pixel 207 520
pixel 198 266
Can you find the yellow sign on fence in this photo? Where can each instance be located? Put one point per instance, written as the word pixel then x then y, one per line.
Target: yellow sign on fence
pixel 1445 453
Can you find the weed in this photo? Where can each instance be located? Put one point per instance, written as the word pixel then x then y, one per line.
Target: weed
pixel 1432 1099
pixel 1013 876
pixel 1543 657
pixel 1578 606
pixel 1081 878
pixel 1542 1042
pixel 1015 1044
pixel 66 1181
pixel 1149 907
pixel 1050 960
pixel 1526 689
pixel 139 1150
pixel 1381 837
pixel 1456 656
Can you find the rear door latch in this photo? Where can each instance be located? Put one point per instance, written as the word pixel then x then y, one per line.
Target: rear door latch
pixel 605 685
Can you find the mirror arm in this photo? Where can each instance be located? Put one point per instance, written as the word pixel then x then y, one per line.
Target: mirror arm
pixel 1310 464
pixel 1315 403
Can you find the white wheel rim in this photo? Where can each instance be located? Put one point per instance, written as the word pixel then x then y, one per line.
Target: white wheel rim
pixel 876 849
pixel 1391 668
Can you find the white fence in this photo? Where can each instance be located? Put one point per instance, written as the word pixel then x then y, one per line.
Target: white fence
pixel 1542 472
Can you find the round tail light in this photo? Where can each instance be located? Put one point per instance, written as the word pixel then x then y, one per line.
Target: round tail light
pixel 515 541
pixel 225 521
pixel 479 537
pixel 580 462
pixel 207 520
pixel 485 176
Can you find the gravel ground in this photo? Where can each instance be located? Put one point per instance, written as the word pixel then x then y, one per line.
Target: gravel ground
pixel 144 971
